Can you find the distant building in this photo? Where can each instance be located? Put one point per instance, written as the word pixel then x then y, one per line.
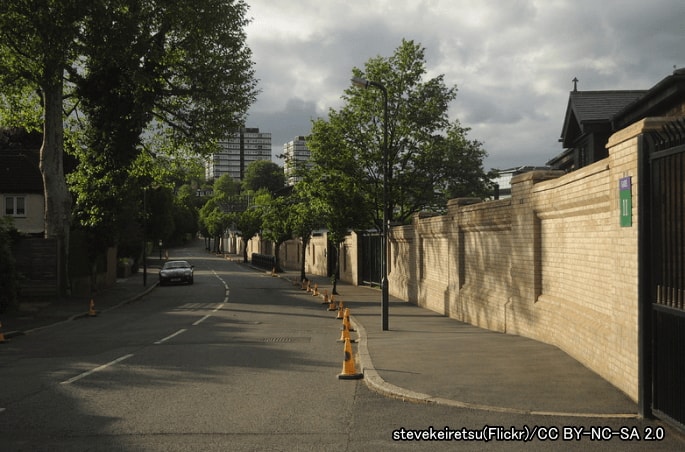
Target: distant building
pixel 588 124
pixel 296 155
pixel 237 152
pixel 503 181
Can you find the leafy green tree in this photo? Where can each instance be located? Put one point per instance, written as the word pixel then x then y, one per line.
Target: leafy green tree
pixel 181 65
pixel 226 186
pixel 37 43
pixel 249 223
pixel 306 213
pixel 214 221
pixel 337 200
pixel 263 174
pixel 276 221
pixel 429 157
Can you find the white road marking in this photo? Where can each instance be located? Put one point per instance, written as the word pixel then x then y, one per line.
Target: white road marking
pixel 161 341
pixel 197 322
pixel 97 369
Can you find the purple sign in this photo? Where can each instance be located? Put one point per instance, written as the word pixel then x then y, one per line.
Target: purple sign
pixel 624 183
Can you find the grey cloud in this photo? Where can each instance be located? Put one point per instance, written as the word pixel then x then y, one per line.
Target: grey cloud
pixel 512 61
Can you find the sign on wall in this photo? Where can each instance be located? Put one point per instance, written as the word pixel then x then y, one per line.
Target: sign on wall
pixel 625 197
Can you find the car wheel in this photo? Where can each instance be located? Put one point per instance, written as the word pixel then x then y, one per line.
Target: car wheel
pixel 191 281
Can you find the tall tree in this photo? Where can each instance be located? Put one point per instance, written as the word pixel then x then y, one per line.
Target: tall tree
pixel 276 222
pixel 37 43
pixel 183 66
pixel 429 157
pixel 306 214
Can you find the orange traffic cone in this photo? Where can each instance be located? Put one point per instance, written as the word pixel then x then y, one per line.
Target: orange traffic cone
pixel 273 271
pixel 304 283
pixel 345 334
pixel 332 306
pixel 348 370
pixel 2 336
pixel 309 286
pixel 340 311
pixel 315 292
pixel 91 309
pixel 346 320
pixel 325 296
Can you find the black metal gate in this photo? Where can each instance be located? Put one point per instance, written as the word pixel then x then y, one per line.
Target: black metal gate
pixel 371 258
pixel 666 270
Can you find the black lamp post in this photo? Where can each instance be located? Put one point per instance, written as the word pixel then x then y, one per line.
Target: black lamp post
pixel 363 83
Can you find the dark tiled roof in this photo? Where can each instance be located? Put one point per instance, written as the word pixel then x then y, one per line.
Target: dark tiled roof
pixel 601 105
pixel 19 172
pixel 586 107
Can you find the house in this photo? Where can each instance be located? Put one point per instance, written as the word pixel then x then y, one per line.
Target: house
pixel 588 125
pixel 21 183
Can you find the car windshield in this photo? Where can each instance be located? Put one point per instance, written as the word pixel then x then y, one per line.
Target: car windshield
pixel 176 264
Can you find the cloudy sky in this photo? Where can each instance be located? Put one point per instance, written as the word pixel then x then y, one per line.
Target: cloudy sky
pixel 512 61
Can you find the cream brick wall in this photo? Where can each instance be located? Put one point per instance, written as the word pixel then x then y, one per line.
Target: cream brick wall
pixel 551 263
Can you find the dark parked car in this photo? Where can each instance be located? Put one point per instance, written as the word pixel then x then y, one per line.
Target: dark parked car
pixel 176 272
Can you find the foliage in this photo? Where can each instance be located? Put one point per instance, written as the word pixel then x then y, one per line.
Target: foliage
pixel 226 186
pixel 306 213
pixel 9 287
pixel 179 71
pixel 249 222
pixel 430 158
pixel 276 220
pixel 20 108
pixel 263 174
pixel 336 181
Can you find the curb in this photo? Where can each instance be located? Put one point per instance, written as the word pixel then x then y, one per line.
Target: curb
pixel 11 334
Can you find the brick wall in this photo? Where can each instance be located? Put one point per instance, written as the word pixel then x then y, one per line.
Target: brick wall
pixel 551 263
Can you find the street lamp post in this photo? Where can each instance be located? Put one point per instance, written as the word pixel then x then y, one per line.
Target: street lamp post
pixel 363 83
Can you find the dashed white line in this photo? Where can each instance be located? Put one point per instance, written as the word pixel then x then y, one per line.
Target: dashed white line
pixel 197 322
pixel 97 369
pixel 161 341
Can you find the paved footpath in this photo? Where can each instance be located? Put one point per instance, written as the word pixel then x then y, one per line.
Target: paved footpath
pixel 427 357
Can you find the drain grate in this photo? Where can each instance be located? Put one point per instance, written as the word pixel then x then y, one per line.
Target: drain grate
pixel 286 339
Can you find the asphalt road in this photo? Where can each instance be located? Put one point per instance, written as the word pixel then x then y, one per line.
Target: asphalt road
pixel 238 361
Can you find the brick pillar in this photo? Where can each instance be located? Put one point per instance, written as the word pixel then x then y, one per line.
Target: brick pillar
pixel 525 230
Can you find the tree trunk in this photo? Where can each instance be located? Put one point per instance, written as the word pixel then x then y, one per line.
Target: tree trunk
pixel 277 251
pixel 57 198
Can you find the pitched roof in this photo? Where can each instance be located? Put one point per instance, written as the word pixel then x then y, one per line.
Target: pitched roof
pixel 668 93
pixel 19 173
pixel 586 107
pixel 19 160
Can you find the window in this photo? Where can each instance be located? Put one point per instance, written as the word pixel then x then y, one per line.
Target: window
pixel 15 206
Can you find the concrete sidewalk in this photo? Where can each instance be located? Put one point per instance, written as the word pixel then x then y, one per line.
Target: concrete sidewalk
pixel 34 315
pixel 427 357
pixel 424 357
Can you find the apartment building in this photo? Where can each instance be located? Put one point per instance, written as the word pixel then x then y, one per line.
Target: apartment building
pixel 237 152
pixel 296 155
